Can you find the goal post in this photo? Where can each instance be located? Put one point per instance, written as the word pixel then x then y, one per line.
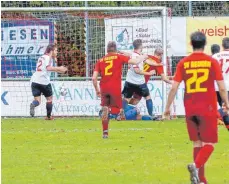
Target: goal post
pixel 81 34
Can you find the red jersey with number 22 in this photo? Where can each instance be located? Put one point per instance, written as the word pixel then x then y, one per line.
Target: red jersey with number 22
pixel 199 71
pixel 110 69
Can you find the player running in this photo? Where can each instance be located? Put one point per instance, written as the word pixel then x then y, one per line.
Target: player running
pixel 110 69
pixel 41 80
pixel 199 71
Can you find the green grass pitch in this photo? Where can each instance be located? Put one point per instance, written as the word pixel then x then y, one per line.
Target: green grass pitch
pixel 72 151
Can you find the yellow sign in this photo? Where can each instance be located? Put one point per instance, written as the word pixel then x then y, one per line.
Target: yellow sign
pixel 215 30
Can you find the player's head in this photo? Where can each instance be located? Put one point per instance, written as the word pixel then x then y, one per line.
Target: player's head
pixel 198 40
pixel 225 43
pixel 111 46
pixel 158 52
pixel 52 50
pixel 137 44
pixel 215 48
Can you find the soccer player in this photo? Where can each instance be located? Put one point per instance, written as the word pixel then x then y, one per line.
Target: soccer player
pixel 131 113
pixel 110 69
pixel 41 79
pixel 135 80
pixel 157 69
pixel 223 59
pixel 199 71
pixel 215 48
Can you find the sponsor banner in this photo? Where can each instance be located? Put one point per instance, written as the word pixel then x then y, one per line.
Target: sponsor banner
pixel 80 100
pixel 22 42
pixel 215 28
pixel 124 31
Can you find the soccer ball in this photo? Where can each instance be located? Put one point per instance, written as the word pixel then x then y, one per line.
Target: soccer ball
pixel 63 91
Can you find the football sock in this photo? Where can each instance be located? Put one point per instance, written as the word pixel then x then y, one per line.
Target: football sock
pixel 201 170
pixel 35 103
pixel 203 155
pixel 105 126
pixel 149 105
pixel 49 109
pixel 145 117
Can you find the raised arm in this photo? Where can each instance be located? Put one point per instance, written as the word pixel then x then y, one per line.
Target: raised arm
pixel 138 60
pixel 152 63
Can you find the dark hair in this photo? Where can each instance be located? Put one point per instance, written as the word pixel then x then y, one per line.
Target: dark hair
pixel 111 46
pixel 50 47
pixel 137 43
pixel 215 48
pixel 198 40
pixel 225 43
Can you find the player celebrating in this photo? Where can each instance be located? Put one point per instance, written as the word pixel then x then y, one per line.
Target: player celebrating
pixel 110 69
pixel 135 80
pixel 41 80
pixel 157 69
pixel 199 71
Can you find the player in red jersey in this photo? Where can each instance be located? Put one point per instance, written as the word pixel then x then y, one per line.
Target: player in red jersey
pixel 199 71
pixel 110 69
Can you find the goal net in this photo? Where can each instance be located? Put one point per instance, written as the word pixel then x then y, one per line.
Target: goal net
pixel 81 35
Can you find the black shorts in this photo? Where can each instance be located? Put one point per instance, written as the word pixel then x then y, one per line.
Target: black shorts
pixel 129 89
pixel 219 99
pixel 37 89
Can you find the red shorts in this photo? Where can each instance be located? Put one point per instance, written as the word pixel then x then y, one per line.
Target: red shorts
pixel 111 98
pixel 203 128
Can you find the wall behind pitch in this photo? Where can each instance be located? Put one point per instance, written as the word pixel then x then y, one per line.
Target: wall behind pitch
pixel 80 100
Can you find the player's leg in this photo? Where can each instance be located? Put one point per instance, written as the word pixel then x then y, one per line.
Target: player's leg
pixel 47 91
pixel 209 136
pixel 127 92
pixel 192 123
pixel 225 118
pixel 105 103
pixel 36 91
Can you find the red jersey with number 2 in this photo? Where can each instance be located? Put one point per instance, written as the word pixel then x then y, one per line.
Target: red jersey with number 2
pixel 199 71
pixel 110 69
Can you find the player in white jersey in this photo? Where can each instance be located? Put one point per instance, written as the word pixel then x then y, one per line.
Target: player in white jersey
pixel 223 59
pixel 40 81
pixel 135 80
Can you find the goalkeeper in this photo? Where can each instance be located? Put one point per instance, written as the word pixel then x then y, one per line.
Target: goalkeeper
pixel 131 113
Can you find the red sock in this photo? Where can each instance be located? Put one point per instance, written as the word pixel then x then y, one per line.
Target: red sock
pixel 105 127
pixel 201 170
pixel 203 155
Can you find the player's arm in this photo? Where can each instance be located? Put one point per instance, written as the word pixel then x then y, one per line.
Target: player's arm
pixel 59 69
pixel 175 85
pixel 152 63
pixel 140 72
pixel 165 79
pixel 137 60
pixel 223 92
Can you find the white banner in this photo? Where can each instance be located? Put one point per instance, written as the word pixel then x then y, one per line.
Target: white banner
pixel 124 31
pixel 80 99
